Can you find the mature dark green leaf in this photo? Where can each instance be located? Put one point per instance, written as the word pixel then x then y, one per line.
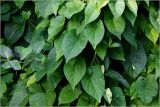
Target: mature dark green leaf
pixel 74 71
pixel 71 8
pixel 56 25
pixel 93 82
pixel 3 88
pixel 114 25
pixel 13 31
pixel 129 35
pixel 47 7
pixel 5 51
pixel 93 10
pixel 5 8
pixel 135 61
pixel 145 87
pixel 67 95
pixel 118 98
pixel 58 45
pixel 23 52
pixel 116 53
pixel 19 3
pixel 101 50
pixel 154 18
pixel 73 44
pixel 94 32
pixel 115 75
pixel 20 96
pixel 85 100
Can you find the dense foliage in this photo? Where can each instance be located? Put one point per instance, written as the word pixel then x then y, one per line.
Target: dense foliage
pixel 79 53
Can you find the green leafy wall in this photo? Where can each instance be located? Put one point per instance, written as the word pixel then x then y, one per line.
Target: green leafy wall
pixel 79 53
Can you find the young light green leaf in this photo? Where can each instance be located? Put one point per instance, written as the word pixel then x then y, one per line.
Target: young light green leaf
pixel 94 83
pixel 73 44
pixel 152 34
pixel 115 26
pixel 5 51
pixel 74 71
pixel 108 95
pixel 94 32
pixel 117 7
pixel 71 8
pixel 132 5
pixel 56 25
pixel 67 95
pixel 23 52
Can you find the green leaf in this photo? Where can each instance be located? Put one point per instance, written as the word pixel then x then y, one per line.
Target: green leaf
pixel 51 63
pixel 108 95
pixel 73 44
pixel 19 3
pixel 115 26
pixel 56 25
pixel 71 8
pixel 115 75
pixel 5 51
pixel 135 60
pixel 23 52
pixel 154 18
pixel 43 24
pixel 74 71
pixel 146 88
pixel 117 7
pixel 101 50
pixel 85 100
pixel 20 96
pixel 132 17
pixel 132 5
pixel 15 64
pixel 58 45
pixel 26 15
pixel 3 88
pixel 118 98
pixel 13 31
pixel 5 7
pixel 42 99
pixel 47 7
pixel 93 10
pixel 129 35
pixel 94 83
pixel 38 41
pixel 67 95
pixel 152 34
pixel 116 53
pixel 94 32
